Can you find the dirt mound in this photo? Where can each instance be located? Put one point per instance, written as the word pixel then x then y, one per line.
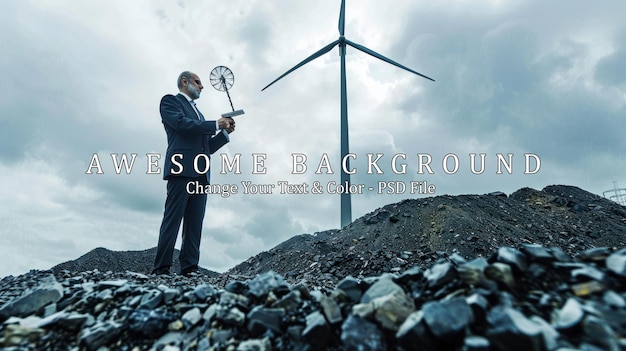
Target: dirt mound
pixel 416 232
pixel 119 261
pixel 420 231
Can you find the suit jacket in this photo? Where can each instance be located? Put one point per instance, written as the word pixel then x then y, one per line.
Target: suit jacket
pixel 189 136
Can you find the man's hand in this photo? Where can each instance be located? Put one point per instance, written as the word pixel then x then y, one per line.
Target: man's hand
pixel 228 124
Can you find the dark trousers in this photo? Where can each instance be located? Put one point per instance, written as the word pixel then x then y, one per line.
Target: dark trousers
pixel 181 206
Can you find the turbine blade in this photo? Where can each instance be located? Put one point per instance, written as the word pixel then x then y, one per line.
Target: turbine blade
pixel 319 53
pixel 381 57
pixel 342 17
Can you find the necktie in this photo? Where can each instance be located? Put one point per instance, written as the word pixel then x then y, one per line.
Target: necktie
pixel 193 103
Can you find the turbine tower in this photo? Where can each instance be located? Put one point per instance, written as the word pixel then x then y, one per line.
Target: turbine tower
pixel 346 205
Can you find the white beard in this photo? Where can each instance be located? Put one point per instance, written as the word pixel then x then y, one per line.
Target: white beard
pixel 194 92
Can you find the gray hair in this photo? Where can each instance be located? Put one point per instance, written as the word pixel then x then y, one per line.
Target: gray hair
pixel 186 75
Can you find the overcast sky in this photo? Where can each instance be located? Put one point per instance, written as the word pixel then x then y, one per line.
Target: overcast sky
pixel 85 77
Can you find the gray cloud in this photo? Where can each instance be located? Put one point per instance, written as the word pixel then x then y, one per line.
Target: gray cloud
pixel 611 70
pixel 513 77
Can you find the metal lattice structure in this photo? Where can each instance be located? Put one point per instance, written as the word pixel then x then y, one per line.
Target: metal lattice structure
pixel 616 194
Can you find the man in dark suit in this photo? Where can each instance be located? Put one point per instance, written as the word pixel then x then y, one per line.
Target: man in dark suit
pixel 190 141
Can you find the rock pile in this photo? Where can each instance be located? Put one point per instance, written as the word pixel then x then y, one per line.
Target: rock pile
pixel 420 231
pixel 526 298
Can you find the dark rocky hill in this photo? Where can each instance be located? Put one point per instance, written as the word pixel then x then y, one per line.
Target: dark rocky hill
pixel 415 232
pixel 536 270
pixel 420 231
pixel 104 260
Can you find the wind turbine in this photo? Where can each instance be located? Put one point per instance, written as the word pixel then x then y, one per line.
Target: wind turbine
pixel 346 204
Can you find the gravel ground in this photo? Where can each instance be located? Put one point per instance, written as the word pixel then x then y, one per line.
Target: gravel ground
pixel 536 270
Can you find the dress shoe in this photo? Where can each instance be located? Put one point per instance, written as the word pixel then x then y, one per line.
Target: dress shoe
pixel 189 271
pixel 161 271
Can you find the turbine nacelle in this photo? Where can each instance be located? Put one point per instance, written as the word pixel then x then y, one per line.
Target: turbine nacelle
pixel 342 45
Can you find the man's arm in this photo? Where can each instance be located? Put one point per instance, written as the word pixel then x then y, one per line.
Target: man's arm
pixel 219 140
pixel 173 115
